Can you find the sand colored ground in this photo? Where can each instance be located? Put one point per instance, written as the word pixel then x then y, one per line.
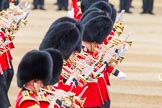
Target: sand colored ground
pixel 143 62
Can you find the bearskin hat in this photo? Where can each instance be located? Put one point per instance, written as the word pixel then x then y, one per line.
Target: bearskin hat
pixel 57 64
pixel 104 6
pixel 85 4
pixel 63 36
pixel 89 14
pixel 97 29
pixel 35 65
pixel 78 25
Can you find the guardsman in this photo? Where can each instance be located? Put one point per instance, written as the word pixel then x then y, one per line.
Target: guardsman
pixel 66 40
pixel 34 72
pixel 97 25
pixel 65 35
pixel 6 67
pixel 109 69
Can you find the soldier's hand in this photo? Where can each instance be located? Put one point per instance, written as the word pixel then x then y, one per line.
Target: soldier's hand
pixel 121 75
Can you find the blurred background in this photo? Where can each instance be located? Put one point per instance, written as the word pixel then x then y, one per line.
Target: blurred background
pixel 143 62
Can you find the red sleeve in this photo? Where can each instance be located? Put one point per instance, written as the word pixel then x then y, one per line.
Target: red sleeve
pixel 4 61
pixel 110 69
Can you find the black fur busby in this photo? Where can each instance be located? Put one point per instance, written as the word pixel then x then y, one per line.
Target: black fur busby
pixel 104 6
pixel 89 15
pixel 85 4
pixel 35 65
pixel 97 29
pixel 57 64
pixel 93 12
pixel 63 36
pixel 114 13
pixel 78 25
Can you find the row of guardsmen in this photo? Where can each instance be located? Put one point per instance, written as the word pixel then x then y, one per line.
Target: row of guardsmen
pixel 75 58
pixel 11 19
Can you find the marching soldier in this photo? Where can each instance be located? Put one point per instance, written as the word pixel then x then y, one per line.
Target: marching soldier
pixel 34 72
pixel 6 69
pixel 65 35
pixel 96 30
pixel 147 6
pixel 108 68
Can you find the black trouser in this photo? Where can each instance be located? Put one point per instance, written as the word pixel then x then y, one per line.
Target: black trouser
pixel 9 75
pixel 106 104
pixel 124 5
pixel 4 101
pixel 38 2
pixel 148 5
pixel 62 4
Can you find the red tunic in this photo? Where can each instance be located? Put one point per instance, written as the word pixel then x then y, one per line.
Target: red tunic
pixel 92 94
pixel 6 56
pixel 102 82
pixel 27 99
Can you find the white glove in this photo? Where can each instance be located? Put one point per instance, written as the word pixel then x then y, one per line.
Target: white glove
pixel 121 75
pixel 71 13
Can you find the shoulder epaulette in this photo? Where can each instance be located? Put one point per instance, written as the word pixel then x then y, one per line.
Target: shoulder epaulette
pixel 26 96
